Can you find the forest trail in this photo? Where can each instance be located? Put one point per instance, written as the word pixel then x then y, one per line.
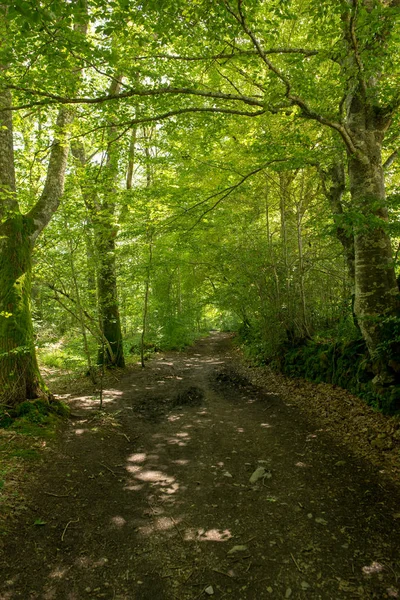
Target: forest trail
pixel 153 501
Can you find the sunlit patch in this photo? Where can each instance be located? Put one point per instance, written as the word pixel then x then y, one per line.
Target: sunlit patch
pixel 374 567
pixel 49 594
pixel 173 418
pixel 80 431
pixel 58 572
pixel 113 392
pixel 138 457
pixel 160 381
pixel 265 425
pixel 118 521
pixel 173 441
pixel 220 464
pixel 172 489
pixel 155 477
pixel 392 592
pixel 213 535
pixel 181 462
pixel 301 465
pixel 250 401
pixel 182 435
pixel 310 437
pixel 133 469
pixel 160 524
pixel 240 430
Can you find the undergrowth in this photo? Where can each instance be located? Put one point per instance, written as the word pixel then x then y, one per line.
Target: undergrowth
pixel 338 357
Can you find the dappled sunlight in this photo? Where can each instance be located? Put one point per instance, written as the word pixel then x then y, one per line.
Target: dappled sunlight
pixel 118 521
pixel 178 441
pixel 155 477
pixel 159 524
pixel 139 457
pixel 59 572
pixel 173 418
pixel 207 535
pixel 302 465
pixel 80 431
pixel 374 567
pixel 265 425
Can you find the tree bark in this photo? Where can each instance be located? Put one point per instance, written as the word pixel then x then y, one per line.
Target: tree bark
pixel 19 374
pixel 376 291
pixel 105 232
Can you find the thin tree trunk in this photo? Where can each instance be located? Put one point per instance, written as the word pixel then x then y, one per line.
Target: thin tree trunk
pixel 105 232
pixel 146 302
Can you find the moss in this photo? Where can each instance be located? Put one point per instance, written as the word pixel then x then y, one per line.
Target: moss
pixel 31 414
pixel 344 363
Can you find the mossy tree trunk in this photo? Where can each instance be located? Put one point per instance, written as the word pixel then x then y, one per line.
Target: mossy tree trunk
pixel 19 374
pixel 376 290
pixel 110 321
pixel 101 205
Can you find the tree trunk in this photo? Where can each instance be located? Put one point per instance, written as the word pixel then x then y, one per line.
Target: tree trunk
pixel 19 373
pixel 334 186
pixel 108 301
pixel 376 291
pixel 105 232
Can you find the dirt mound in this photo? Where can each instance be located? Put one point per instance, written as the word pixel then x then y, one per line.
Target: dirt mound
pixel 193 396
pixel 230 377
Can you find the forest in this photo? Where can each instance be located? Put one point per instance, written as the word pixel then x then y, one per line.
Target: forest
pixel 173 172
pixel 167 169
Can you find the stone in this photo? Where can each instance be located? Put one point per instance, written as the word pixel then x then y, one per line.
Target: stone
pixel 259 473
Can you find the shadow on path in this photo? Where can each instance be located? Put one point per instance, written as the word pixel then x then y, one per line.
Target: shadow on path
pixel 153 499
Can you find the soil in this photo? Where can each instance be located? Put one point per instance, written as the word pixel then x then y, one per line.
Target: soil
pixel 151 499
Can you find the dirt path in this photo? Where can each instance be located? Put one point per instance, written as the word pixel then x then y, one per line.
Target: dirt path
pixel 153 500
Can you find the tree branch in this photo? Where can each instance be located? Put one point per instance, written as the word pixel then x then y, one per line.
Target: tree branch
pixel 392 158
pixel 56 99
pixel 53 189
pixel 294 100
pixel 173 113
pixel 227 56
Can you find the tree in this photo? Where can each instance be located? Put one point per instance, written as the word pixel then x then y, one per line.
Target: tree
pixel 19 375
